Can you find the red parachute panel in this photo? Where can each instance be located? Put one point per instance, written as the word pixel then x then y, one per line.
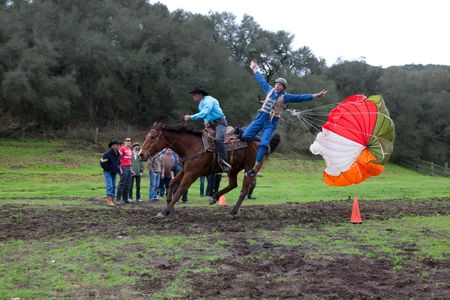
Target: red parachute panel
pixel 354 119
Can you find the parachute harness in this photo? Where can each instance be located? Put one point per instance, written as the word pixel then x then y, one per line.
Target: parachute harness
pixel 273 107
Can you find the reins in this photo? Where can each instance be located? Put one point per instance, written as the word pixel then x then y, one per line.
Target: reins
pixel 170 145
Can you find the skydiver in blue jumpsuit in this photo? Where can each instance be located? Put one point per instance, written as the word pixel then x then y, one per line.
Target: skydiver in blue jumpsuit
pixel 266 120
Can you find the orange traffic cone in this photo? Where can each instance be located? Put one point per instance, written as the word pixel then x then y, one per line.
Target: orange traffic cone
pixel 222 200
pixel 356 216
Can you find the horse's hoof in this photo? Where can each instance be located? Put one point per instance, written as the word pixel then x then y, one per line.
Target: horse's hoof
pixel 212 200
pixel 232 215
pixel 164 213
pixel 160 215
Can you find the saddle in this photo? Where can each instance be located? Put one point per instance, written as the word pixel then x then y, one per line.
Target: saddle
pixel 232 141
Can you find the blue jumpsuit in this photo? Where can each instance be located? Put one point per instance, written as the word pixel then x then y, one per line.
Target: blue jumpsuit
pixel 264 122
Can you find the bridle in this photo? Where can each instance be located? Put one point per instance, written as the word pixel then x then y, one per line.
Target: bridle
pixel 154 133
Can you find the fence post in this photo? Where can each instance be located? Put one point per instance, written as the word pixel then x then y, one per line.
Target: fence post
pixel 129 130
pixel 432 168
pixel 417 164
pixel 96 135
pixel 446 169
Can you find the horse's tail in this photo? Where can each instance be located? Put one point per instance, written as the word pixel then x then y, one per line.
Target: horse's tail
pixel 274 142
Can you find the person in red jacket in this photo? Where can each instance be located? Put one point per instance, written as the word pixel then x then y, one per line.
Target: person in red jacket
pixel 125 172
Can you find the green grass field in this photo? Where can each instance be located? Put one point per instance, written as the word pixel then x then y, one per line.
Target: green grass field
pixel 61 175
pixel 55 170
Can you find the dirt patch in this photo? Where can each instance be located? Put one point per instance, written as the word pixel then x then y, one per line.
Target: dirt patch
pixel 291 276
pixel 25 222
pixel 251 270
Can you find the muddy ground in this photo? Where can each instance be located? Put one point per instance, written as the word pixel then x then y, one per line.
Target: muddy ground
pixel 287 274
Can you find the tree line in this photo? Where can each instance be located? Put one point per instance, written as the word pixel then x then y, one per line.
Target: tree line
pixel 65 64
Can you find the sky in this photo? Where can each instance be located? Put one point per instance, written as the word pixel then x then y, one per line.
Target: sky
pixel 382 32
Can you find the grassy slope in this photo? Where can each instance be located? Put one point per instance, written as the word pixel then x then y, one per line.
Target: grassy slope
pixel 55 170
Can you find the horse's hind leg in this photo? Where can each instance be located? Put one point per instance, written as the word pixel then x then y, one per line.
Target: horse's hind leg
pixel 244 191
pixel 232 183
pixel 173 186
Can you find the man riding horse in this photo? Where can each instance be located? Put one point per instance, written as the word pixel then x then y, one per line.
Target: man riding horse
pixel 209 110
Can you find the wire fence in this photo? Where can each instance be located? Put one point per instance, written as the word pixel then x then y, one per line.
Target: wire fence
pixel 426 167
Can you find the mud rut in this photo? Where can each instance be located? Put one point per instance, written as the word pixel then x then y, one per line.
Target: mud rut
pixel 239 275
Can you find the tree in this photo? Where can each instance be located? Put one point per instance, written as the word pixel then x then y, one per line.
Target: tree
pixel 355 77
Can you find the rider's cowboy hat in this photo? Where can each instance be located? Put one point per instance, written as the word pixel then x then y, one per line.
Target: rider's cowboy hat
pixel 199 89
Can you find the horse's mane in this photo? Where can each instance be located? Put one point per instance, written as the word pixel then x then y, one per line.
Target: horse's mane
pixel 183 129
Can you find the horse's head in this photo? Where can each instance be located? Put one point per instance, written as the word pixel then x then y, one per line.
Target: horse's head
pixel 154 141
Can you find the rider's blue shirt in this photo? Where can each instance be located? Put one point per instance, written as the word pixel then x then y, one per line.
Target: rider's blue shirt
pixel 209 110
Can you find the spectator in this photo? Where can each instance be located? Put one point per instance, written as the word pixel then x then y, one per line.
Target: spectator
pixel 176 170
pixel 168 173
pixel 125 172
pixel 176 164
pixel 137 170
pixel 202 186
pixel 110 164
pixel 213 183
pixel 155 167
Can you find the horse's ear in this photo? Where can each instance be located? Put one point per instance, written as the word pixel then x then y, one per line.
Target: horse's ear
pixel 158 123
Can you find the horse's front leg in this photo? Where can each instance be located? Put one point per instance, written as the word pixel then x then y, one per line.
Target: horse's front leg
pixel 186 181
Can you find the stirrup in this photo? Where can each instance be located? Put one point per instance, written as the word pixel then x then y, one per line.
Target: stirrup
pixel 226 167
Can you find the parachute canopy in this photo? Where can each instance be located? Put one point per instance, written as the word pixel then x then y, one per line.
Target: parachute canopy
pixel 356 141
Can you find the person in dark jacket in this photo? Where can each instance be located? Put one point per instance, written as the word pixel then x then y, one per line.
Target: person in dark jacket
pixel 110 164
pixel 213 183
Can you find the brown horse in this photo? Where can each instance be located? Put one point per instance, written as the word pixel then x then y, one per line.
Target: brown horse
pixel 198 162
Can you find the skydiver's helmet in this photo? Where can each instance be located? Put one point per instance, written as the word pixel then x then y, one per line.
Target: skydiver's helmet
pixel 281 81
